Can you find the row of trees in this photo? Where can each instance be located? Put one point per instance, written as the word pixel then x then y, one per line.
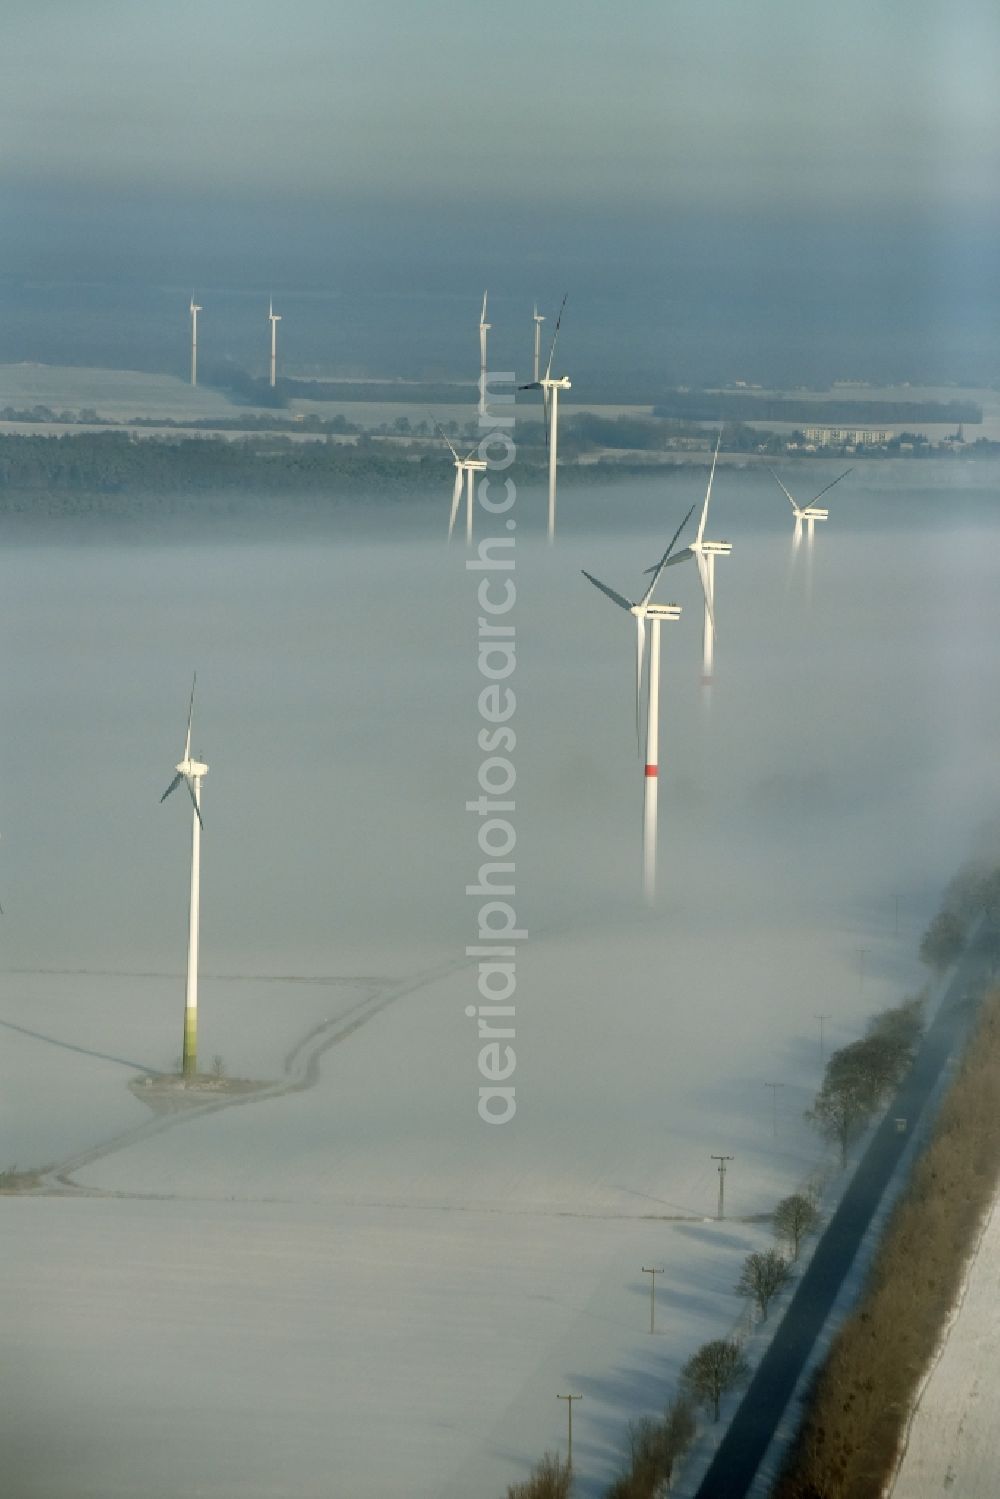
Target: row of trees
pixel 655 1444
pixel 851 1435
pixel 859 1078
pixel 973 895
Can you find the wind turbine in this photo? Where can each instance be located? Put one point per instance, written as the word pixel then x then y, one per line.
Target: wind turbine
pixel 191 772
pixel 274 318
pixel 539 320
pixel 810 513
pixel 655 614
pixel 195 309
pixel 484 328
pixel 550 404
pixel 704 554
pixel 465 469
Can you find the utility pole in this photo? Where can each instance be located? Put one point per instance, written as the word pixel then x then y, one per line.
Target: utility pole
pixel 652 1295
pixel 569 1411
pixel 722 1159
pixel 774 1105
pixel 822 1038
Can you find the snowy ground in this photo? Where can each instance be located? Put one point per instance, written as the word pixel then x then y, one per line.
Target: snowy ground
pixel 116 395
pixel 952 1443
pixel 353 1286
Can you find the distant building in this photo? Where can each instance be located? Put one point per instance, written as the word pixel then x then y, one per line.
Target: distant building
pixel 842 437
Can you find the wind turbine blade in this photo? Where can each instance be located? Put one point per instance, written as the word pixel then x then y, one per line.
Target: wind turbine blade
pixel 448 441
pixel 788 497
pixel 656 571
pixel 640 648
pixel 187 741
pixel 703 574
pixel 194 799
pixel 456 499
pixel 708 491
pixel 830 486
pixel 531 385
pixel 616 598
pixel 555 335
pixel 482 315
pixel 681 556
pixel 172 787
pixel 545 412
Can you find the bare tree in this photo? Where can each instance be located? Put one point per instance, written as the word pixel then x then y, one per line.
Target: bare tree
pixel 550 1479
pixel 794 1217
pixel 654 1447
pixel 714 1369
pixel 763 1277
pixel 942 941
pixel 856 1081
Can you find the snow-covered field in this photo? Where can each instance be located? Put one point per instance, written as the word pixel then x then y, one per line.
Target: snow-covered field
pixel 951 1447
pixel 116 395
pixel 354 1286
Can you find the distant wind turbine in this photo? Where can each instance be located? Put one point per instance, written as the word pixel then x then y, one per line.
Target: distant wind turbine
pixel 465 471
pixel 655 613
pixel 704 554
pixel 195 309
pixel 539 320
pixel 810 513
pixel 191 772
pixel 484 328
pixel 550 407
pixel 274 318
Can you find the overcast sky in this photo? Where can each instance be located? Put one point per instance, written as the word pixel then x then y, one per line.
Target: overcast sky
pixel 414 138
pixel 582 102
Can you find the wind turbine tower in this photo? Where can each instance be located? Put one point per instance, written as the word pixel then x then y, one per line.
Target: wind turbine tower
pixel 274 318
pixel 484 328
pixel 539 320
pixel 195 309
pixel 655 614
pixel 465 471
pixel 550 389
pixel 191 772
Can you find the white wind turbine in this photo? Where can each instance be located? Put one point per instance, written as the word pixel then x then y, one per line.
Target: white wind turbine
pixel 704 554
pixel 274 318
pixel 484 328
pixel 195 309
pixel 655 614
pixel 191 772
pixel 539 320
pixel 550 404
pixel 810 513
pixel 465 471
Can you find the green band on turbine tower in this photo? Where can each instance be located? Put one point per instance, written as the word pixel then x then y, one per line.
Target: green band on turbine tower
pixel 190 1042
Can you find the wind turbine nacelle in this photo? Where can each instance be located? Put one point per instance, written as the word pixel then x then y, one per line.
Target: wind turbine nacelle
pixel 814 512
pixel 663 611
pixel 192 769
pixel 717 548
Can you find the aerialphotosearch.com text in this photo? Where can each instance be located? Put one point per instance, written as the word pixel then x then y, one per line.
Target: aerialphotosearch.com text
pixel 497 929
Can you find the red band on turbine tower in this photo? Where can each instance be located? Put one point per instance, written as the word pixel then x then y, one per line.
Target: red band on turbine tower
pixel 652 770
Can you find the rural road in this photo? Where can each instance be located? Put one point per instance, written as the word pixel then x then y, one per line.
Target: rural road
pixel 742 1448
